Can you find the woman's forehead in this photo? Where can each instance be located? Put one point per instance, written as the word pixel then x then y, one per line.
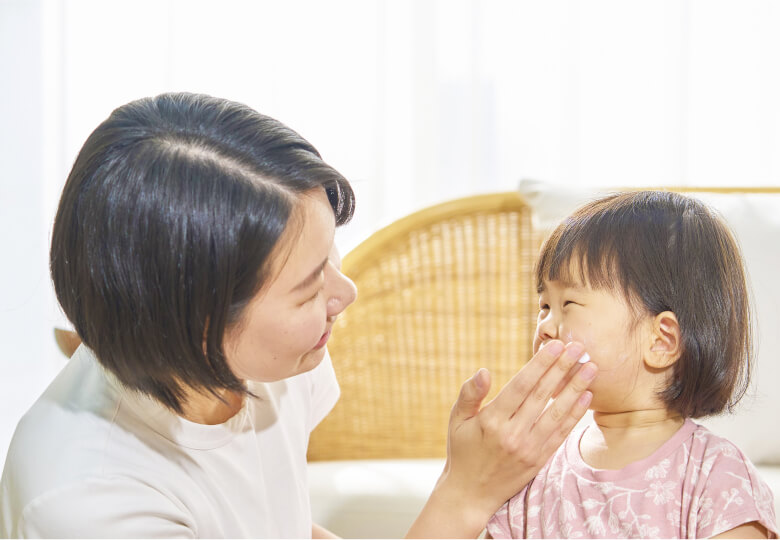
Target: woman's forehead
pixel 306 241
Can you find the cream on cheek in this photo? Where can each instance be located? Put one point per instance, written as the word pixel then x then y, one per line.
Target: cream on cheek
pixel 604 348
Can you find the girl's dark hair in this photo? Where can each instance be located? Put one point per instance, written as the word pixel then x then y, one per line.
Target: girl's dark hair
pixel 164 230
pixel 667 252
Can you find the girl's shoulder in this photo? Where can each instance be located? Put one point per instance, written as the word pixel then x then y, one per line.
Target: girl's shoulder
pixel 706 445
pixel 718 461
pixel 727 484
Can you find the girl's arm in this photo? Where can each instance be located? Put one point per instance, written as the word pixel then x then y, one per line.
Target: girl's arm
pixel 749 530
pixel 493 452
pixel 317 531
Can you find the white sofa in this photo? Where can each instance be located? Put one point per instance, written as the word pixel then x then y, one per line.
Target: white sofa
pixel 380 499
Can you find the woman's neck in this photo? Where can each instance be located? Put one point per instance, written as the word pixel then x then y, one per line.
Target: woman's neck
pixel 618 439
pixel 206 408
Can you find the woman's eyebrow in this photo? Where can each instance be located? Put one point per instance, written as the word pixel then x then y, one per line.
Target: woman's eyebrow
pixel 311 278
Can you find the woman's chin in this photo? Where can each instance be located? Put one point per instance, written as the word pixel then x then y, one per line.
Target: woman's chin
pixel 312 359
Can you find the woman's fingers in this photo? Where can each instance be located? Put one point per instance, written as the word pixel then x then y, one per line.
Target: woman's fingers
pixel 526 395
pixel 539 397
pixel 515 392
pixel 562 415
pixel 572 372
pixel 494 451
pixel 472 392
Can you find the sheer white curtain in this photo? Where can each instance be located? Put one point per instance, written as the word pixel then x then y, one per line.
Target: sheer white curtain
pixel 416 101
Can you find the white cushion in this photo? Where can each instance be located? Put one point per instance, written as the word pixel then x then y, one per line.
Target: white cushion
pixel 371 498
pixel 755 220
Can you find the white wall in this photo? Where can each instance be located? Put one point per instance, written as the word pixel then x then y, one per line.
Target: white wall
pixel 416 101
pixel 28 359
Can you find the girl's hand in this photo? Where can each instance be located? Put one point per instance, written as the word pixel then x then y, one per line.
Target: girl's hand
pixel 493 452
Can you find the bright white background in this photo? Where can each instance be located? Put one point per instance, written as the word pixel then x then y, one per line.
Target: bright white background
pixel 415 101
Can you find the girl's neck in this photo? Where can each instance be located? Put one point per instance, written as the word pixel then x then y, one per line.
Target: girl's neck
pixel 615 440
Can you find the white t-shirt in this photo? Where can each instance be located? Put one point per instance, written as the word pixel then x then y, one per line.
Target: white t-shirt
pixel 91 459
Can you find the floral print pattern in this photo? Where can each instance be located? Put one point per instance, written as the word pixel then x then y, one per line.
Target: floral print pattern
pixel 696 485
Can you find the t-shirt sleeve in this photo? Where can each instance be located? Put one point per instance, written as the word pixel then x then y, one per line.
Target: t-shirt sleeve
pixel 106 507
pixel 733 494
pixel 325 391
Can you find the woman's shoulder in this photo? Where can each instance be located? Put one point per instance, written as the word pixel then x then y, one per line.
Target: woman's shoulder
pixel 73 430
pixel 95 505
pixel 78 405
pixel 59 457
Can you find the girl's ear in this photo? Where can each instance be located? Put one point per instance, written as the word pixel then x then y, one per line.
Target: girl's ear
pixel 666 345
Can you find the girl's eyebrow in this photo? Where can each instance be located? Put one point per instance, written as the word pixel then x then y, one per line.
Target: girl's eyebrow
pixel 577 287
pixel 311 278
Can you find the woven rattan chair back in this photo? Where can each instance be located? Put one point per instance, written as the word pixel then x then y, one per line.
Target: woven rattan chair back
pixel 442 292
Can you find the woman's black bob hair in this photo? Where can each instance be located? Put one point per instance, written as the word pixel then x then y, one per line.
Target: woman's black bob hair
pixel 667 252
pixel 164 231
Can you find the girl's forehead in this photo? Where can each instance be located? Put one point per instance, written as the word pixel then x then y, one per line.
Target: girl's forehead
pixel 569 274
pixel 563 284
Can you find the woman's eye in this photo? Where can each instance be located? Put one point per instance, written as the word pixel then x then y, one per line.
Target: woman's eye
pixel 543 307
pixel 567 302
pixel 316 295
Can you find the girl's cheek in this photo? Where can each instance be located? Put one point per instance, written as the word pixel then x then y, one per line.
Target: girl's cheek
pixel 537 340
pixel 580 336
pixel 570 334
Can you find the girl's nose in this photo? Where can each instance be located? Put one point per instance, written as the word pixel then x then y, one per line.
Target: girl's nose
pixel 547 327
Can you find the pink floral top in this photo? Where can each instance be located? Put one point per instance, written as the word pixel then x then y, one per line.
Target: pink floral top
pixel 695 485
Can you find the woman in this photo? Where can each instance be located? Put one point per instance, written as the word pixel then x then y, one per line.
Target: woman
pixel 193 252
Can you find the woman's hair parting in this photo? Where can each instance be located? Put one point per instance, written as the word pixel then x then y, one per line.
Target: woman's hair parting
pixel 667 252
pixel 164 231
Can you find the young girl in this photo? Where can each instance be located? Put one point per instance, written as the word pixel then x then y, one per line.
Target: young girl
pixel 653 284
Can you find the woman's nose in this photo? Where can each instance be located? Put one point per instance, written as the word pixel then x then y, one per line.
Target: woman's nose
pixel 343 293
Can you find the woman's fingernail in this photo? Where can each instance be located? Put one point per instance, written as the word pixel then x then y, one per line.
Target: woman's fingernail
pixel 479 379
pixel 588 371
pixel 584 359
pixel 585 398
pixel 554 347
pixel 575 349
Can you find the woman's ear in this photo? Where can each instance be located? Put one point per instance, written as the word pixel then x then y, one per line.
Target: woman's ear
pixel 666 345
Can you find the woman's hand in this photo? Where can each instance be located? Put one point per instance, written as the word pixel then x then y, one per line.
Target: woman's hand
pixel 493 452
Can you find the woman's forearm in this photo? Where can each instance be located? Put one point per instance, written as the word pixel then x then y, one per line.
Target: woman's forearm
pixel 448 514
